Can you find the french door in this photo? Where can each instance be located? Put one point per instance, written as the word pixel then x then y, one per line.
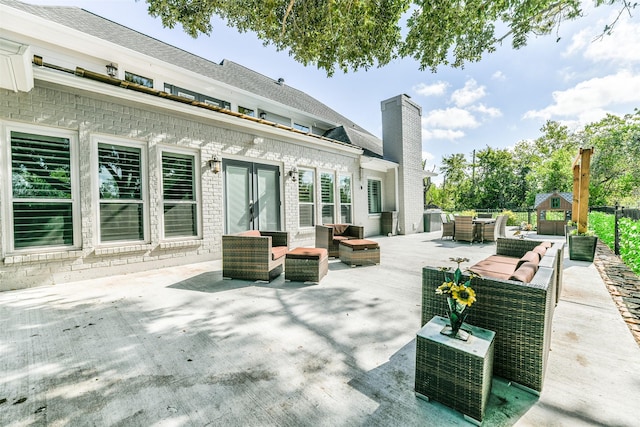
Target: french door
pixel 251 196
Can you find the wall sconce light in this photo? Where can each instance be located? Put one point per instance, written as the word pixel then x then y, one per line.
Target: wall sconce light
pixel 112 70
pixel 214 165
pixel 257 140
pixel 263 115
pixel 293 174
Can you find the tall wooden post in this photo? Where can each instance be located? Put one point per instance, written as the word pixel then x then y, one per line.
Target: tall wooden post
pixel 575 205
pixel 581 171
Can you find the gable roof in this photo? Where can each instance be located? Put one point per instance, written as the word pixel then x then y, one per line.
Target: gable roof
pixel 542 197
pixel 227 71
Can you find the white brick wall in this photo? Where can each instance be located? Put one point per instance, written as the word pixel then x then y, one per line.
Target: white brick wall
pixel 94 117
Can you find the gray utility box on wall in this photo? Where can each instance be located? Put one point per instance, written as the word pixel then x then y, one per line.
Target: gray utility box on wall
pixel 432 221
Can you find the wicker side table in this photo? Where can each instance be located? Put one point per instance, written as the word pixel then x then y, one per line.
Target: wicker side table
pixel 306 264
pixel 454 372
pixel 359 252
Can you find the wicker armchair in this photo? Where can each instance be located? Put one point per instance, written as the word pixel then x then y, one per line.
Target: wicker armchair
pixel 254 255
pixel 463 229
pixel 448 227
pixel 328 236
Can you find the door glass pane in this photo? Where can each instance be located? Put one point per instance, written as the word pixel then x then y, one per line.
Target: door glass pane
pixel 344 184
pixel 237 198
pixel 327 194
pixel 268 201
pixel 305 197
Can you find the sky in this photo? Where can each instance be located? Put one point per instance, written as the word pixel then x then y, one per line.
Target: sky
pixel 505 98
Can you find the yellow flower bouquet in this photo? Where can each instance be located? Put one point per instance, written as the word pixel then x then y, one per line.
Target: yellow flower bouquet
pixel 460 296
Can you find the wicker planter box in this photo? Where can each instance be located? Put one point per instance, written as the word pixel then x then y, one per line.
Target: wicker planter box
pixel 454 372
pixel 582 248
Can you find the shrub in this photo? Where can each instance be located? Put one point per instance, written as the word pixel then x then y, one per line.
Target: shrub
pixel 512 218
pixel 630 243
pixel 603 225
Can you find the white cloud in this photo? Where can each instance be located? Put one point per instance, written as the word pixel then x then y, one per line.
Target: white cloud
pixel 448 134
pixel 436 89
pixel 450 118
pixel 621 46
pixel 499 75
pixel 469 94
pixel 492 112
pixel 428 156
pixel 590 96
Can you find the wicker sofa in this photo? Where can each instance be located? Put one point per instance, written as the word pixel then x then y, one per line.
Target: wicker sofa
pixel 328 236
pixel 254 255
pixel 520 313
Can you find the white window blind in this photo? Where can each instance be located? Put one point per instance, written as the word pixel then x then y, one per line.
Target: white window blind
pixel 375 196
pixel 306 199
pixel 120 186
pixel 327 189
pixel 179 194
pixel 42 202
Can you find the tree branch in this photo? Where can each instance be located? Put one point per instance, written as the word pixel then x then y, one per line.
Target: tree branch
pixel 286 15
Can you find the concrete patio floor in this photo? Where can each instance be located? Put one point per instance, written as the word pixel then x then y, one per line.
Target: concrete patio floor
pixel 183 347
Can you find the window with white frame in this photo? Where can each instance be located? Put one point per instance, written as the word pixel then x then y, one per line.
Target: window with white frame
pixel 344 186
pixel 306 199
pixel 327 202
pixel 120 185
pixel 43 191
pixel 180 204
pixel 374 192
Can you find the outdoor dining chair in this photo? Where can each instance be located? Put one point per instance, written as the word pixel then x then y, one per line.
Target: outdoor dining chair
pixel 463 228
pixel 448 226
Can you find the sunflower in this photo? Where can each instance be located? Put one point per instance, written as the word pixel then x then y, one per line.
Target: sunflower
pixel 446 288
pixel 464 295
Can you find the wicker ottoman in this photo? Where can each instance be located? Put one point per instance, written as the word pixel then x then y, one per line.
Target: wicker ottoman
pixel 359 252
pixel 306 264
pixel 454 372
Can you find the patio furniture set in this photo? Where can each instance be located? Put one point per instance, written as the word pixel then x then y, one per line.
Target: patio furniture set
pixel 516 294
pixel 264 255
pixel 470 229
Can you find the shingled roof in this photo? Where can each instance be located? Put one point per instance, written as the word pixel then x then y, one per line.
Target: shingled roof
pixel 227 71
pixel 541 197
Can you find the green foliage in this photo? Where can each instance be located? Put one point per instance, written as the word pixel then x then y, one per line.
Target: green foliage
pixel 603 225
pixel 615 175
pixel 510 179
pixel 512 218
pixel 349 35
pixel 630 243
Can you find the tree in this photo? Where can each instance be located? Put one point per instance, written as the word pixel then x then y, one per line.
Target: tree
pixel 496 179
pixel 354 34
pixel 456 182
pixel 615 175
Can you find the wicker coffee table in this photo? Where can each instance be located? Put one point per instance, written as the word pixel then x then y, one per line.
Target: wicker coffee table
pixel 454 372
pixel 306 264
pixel 359 252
